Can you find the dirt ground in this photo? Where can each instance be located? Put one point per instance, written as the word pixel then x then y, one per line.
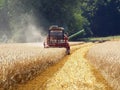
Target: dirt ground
pixel 73 72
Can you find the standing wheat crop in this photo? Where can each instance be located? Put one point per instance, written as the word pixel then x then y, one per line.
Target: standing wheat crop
pixel 21 62
pixel 106 58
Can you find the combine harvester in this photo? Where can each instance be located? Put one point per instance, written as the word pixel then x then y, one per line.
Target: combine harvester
pixel 57 38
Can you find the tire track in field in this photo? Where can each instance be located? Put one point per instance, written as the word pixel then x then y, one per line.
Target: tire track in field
pixel 72 73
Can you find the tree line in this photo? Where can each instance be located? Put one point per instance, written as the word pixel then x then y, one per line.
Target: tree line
pixel 96 17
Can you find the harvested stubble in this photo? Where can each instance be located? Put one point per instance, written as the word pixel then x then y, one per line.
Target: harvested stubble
pixel 21 62
pixel 106 58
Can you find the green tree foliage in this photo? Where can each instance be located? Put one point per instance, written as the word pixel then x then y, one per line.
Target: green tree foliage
pixel 107 18
pixel 96 17
pixel 103 15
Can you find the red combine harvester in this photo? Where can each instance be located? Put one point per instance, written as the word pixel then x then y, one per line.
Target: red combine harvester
pixel 57 38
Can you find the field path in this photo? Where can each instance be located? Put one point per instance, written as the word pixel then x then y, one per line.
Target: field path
pixel 72 73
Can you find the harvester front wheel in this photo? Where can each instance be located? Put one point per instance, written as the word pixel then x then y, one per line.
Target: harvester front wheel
pixel 68 51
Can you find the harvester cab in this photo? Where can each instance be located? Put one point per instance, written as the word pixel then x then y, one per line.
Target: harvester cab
pixel 57 38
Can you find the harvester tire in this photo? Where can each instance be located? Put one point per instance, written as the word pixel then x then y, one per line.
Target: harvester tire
pixel 68 51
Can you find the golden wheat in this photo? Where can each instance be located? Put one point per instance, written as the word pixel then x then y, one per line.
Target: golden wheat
pixel 20 62
pixel 106 58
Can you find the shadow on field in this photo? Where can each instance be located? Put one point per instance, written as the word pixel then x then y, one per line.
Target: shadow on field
pixel 52 70
pixel 39 82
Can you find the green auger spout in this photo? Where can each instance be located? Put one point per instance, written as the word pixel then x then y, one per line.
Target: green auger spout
pixel 81 32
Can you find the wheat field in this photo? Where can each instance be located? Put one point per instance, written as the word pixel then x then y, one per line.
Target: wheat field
pixel 106 58
pixel 73 72
pixel 21 62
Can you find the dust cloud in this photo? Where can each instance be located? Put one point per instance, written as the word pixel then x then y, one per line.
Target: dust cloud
pixel 21 28
pixel 28 30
